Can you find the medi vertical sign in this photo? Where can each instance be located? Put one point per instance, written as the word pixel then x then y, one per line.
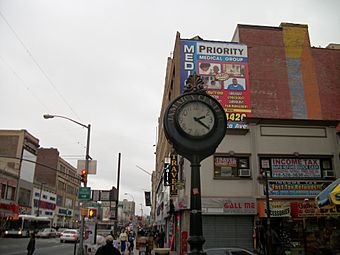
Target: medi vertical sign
pixel 223 68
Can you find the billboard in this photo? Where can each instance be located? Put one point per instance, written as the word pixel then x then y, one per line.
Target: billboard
pixel 223 68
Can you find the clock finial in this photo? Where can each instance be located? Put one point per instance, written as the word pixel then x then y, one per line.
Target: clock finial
pixel 194 83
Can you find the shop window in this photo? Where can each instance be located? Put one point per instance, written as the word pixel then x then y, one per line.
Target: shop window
pixel 36 194
pixel 52 198
pixel 231 166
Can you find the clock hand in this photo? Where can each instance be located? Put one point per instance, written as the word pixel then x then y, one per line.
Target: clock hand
pixel 199 121
pixel 199 118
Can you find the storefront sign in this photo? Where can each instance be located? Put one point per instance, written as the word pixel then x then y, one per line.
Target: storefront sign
pixel 295 168
pixel 277 209
pixel 174 174
pixel 65 212
pixel 167 173
pixel 236 206
pixel 283 188
pixel 310 209
pixel 9 209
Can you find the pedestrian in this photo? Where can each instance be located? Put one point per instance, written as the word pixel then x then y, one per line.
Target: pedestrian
pixel 131 240
pixel 123 238
pixel 161 239
pixel 108 248
pixel 31 245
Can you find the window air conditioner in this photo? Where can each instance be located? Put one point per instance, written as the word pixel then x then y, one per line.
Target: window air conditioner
pixel 328 173
pixel 244 172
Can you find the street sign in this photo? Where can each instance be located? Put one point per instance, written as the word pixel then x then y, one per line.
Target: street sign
pixel 92 166
pixel 84 193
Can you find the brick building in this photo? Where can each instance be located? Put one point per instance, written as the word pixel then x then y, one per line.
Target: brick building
pixel 282 119
pixel 62 178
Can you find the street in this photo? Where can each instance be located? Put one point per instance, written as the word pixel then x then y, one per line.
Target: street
pixel 17 246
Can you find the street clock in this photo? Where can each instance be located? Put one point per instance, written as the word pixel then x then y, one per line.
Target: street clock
pixel 195 123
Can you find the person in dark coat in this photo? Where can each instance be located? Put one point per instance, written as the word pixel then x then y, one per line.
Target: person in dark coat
pixel 31 245
pixel 108 248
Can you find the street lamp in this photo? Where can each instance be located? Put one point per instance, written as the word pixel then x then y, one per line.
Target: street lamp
pixel 87 157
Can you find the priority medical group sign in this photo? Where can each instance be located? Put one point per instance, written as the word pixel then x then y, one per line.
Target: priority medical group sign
pixel 223 68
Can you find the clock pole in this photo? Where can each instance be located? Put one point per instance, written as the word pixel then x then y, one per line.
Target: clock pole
pixel 195 132
pixel 196 239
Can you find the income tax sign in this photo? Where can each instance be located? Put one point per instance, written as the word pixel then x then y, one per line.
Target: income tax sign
pixel 295 168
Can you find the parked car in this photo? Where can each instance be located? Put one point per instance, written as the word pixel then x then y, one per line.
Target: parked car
pixel 47 233
pixel 60 230
pixel 69 235
pixel 229 251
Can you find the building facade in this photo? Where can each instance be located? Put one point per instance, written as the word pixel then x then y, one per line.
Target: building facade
pixel 18 153
pixel 54 173
pixel 281 101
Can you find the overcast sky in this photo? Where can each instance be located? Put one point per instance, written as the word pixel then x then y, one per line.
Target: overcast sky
pixel 102 62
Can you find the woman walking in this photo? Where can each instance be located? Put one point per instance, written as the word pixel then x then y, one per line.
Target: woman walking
pixel 31 245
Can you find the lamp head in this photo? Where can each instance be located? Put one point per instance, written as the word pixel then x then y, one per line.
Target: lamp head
pixel 48 116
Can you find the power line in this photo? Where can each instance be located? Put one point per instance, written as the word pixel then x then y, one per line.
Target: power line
pixel 37 64
pixel 40 164
pixel 24 84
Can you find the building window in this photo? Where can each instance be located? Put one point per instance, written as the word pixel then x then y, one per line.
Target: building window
pixel 3 190
pixel 68 203
pixel 24 197
pixel 52 198
pixel 36 194
pixel 59 200
pixel 61 185
pixel 226 167
pixel 10 193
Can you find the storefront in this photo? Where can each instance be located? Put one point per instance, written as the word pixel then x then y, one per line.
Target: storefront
pixel 228 221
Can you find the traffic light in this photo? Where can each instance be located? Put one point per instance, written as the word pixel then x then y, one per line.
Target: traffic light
pixel 92 213
pixel 83 176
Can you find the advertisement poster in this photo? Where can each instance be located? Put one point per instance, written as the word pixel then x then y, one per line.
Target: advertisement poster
pixel 223 68
pixel 295 168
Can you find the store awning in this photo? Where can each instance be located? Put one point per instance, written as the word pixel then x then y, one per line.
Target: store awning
pixel 330 196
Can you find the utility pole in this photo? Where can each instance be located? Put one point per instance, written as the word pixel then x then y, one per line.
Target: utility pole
pixel 118 181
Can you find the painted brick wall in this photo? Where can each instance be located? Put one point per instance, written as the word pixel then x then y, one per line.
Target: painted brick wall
pixel 288 78
pixel 270 97
pixel 327 65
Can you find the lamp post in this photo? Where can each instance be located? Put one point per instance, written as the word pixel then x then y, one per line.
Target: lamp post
pixel 87 157
pixel 41 186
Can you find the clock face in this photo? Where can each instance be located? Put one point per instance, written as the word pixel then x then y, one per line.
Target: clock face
pixel 196 119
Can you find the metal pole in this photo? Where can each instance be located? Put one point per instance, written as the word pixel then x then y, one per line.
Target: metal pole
pixel 87 157
pixel 269 237
pixel 196 239
pixel 118 180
